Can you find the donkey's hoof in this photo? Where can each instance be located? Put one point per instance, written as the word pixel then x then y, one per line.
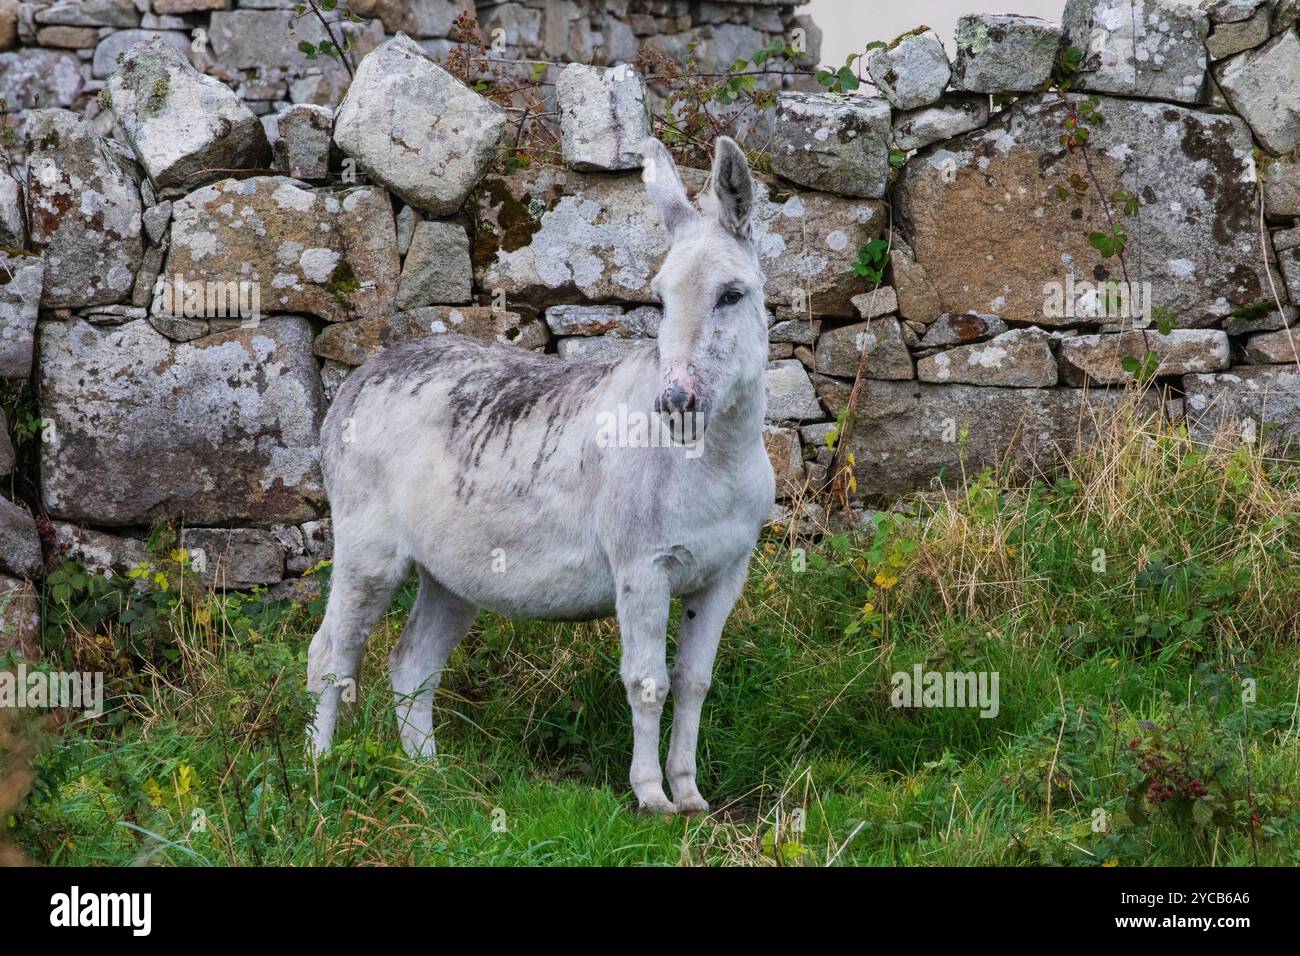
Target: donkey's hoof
pixel 419 747
pixel 656 804
pixel 693 805
pixel 318 746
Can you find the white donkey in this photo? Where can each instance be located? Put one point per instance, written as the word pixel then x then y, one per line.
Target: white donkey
pixel 483 465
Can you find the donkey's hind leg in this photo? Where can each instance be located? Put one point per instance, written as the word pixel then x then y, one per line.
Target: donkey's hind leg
pixel 360 591
pixel 438 622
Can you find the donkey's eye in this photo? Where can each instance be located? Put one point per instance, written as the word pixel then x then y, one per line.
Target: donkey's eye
pixel 730 297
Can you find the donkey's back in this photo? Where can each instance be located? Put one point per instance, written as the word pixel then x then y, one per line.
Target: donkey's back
pixel 477 463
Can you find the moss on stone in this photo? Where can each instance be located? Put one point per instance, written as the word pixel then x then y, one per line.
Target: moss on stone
pixel 1257 310
pixel 502 223
pixel 914 32
pixel 342 283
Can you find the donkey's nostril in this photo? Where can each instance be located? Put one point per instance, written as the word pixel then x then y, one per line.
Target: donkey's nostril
pixel 675 398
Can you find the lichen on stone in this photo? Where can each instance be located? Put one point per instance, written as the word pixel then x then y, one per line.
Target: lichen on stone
pixel 977 41
pixel 157 96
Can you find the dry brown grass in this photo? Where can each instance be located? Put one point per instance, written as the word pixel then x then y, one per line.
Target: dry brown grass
pixel 1141 487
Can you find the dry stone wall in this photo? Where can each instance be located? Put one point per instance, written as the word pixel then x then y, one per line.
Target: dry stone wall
pixel 61 53
pixel 201 244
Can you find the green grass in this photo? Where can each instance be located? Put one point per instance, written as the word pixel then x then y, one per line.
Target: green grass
pixel 1114 684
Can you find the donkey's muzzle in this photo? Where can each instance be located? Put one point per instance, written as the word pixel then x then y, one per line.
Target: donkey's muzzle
pixel 676 399
pixel 681 413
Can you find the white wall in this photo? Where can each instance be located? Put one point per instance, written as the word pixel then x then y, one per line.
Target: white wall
pixel 849 25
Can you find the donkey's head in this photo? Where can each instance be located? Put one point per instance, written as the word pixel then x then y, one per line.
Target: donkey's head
pixel 713 338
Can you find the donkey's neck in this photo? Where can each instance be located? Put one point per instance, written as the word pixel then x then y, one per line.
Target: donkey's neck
pixel 734 428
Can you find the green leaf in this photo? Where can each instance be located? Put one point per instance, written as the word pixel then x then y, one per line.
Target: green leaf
pixel 1109 243
pixel 307 49
pixel 1143 369
pixel 1130 203
pixel 872 260
pixel 1202 813
pixel 1067 64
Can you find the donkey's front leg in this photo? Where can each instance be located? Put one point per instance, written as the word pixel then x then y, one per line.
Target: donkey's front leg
pixel 643 622
pixel 703 615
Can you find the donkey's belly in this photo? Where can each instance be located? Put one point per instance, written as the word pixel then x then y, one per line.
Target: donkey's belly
pixel 544 559
pixel 546 564
pixel 553 594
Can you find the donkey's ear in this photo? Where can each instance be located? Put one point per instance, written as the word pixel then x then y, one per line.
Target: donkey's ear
pixel 732 194
pixel 664 185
